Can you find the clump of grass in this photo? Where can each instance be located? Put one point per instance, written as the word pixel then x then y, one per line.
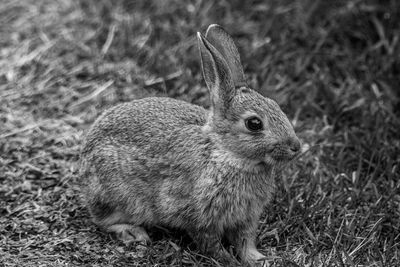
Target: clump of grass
pixel 333 67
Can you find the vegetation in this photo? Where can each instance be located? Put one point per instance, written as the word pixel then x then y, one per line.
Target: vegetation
pixel 333 66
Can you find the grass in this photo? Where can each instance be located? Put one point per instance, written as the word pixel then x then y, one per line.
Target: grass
pixel 333 66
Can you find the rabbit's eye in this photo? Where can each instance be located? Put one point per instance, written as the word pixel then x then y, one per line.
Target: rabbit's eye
pixel 254 124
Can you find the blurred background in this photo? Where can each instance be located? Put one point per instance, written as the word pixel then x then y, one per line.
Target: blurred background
pixel 333 66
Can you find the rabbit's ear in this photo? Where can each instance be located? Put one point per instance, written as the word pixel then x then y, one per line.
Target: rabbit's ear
pixel 223 42
pixel 217 75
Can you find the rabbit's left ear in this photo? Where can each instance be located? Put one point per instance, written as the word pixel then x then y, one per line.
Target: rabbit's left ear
pixel 217 76
pixel 223 42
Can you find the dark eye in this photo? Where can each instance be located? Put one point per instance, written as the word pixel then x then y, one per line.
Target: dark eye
pixel 254 124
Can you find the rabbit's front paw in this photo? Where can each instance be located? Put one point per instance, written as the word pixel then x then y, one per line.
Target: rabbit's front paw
pixel 210 244
pixel 129 233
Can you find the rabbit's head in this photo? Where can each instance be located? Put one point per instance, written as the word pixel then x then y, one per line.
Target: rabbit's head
pixel 245 123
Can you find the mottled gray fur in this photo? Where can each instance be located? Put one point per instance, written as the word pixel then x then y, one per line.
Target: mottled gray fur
pixel 160 161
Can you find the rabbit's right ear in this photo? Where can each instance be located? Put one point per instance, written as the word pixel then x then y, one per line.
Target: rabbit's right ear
pixel 217 75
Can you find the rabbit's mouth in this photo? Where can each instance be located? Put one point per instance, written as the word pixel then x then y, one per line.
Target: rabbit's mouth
pixel 280 156
pixel 283 156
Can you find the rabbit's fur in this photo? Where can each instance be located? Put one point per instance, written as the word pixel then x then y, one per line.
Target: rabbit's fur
pixel 160 161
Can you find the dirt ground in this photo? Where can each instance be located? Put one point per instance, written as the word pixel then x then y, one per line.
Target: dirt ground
pixel 333 66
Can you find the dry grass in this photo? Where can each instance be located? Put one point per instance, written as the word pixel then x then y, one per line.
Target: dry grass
pixel 334 68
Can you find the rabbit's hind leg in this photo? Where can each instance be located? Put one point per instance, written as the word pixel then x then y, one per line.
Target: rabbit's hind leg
pixel 129 233
pixel 125 229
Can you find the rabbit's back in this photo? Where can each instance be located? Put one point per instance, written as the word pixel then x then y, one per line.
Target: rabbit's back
pixel 142 121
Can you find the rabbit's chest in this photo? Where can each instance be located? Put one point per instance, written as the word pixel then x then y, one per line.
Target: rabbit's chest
pixel 233 202
pixel 231 210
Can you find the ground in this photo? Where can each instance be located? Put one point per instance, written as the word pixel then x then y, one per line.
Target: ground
pixel 333 66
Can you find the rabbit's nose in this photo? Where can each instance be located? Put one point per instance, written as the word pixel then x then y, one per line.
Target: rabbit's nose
pixel 294 144
pixel 287 149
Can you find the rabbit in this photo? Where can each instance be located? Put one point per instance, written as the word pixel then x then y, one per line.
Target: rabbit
pixel 161 161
